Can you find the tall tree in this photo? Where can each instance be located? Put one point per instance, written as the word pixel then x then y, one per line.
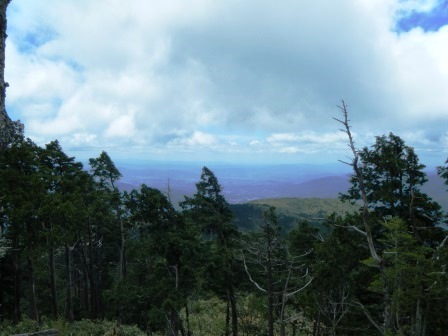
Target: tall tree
pixel 22 185
pixel 387 180
pixel 61 212
pixel 168 251
pixel 211 212
pixel 106 174
pixel 392 178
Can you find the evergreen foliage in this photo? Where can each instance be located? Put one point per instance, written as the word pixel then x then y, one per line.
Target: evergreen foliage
pixel 73 247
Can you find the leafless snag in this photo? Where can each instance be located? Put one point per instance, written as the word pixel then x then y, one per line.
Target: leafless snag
pixel 357 169
pixel 334 306
pixel 358 173
pixel 290 269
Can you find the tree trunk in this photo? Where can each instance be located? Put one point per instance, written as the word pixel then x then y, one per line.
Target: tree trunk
pixel 98 282
pixel 54 298
pixel 294 328
pixel 316 325
pixel 387 311
pixel 232 300
pixel 122 261
pixel 92 278
pixel 69 302
pixel 17 288
pixel 86 277
pixel 187 319
pixel 2 295
pixel 174 323
pixel 282 316
pixel 227 328
pixel 32 287
pixel 270 290
pixel 419 320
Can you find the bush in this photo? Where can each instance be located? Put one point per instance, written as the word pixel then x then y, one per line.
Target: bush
pixel 78 328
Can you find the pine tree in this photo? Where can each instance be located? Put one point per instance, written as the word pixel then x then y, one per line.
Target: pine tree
pixel 210 212
pixel 24 192
pixel 392 179
pixel 107 175
pixel 164 246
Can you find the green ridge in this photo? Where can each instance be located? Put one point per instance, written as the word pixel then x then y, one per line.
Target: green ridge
pixel 290 211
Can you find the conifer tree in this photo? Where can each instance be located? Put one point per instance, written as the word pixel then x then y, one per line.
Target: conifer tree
pixel 169 251
pixel 210 212
pixel 24 192
pixel 107 175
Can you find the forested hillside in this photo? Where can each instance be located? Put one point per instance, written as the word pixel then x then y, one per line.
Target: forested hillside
pixel 81 256
pixel 74 247
pixel 290 212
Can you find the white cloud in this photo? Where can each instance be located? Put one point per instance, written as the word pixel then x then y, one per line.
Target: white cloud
pixel 307 137
pixel 82 139
pixel 197 138
pixel 123 126
pixel 289 150
pixel 282 137
pixel 148 71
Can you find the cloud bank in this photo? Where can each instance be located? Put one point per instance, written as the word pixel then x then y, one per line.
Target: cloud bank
pixel 222 79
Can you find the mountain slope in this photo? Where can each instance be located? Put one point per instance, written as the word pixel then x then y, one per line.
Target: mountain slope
pixel 290 211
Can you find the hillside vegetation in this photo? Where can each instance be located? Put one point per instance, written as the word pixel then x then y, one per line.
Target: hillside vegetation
pixel 290 211
pixel 308 208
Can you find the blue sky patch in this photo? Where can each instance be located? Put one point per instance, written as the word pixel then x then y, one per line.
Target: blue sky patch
pixel 428 21
pixel 34 40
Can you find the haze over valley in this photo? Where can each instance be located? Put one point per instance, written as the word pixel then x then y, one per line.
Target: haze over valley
pixel 244 183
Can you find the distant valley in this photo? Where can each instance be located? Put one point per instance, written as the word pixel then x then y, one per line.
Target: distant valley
pixel 247 183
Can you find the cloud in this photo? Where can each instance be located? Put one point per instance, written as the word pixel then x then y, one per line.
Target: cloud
pixel 196 139
pixel 122 126
pixel 307 137
pixel 289 150
pixel 227 76
pixel 282 137
pixel 83 139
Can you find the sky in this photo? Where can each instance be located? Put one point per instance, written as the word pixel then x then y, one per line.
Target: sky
pixel 252 81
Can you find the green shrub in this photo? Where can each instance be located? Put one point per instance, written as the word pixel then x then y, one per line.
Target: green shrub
pixel 78 328
pixel 25 326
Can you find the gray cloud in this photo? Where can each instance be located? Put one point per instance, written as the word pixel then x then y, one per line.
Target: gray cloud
pixel 189 73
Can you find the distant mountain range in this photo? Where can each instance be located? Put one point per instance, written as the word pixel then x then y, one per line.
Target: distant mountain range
pixel 246 183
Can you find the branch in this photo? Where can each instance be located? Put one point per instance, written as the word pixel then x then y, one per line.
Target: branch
pixel 443 242
pixel 300 289
pixel 318 236
pixel 355 228
pixel 358 173
pixel 250 277
pixel 369 317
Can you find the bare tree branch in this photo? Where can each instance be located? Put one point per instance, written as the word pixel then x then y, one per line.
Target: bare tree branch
pixel 358 173
pixel 249 275
pixel 369 317
pixel 353 227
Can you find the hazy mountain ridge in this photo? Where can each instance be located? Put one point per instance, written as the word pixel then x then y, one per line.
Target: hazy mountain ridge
pixel 243 184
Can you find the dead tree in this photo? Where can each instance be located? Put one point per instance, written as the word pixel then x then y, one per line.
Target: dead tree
pixel 334 306
pixel 274 271
pixel 387 323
